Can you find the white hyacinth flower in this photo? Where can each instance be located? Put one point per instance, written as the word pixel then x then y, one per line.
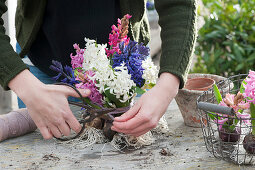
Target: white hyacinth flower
pixel 150 72
pixel 118 82
pixel 94 55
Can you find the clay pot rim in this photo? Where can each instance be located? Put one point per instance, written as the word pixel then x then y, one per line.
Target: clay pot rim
pixel 210 81
pixel 196 75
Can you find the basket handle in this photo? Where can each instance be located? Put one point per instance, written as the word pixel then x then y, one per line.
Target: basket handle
pixel 215 108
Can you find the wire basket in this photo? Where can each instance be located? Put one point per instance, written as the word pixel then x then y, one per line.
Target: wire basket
pixel 219 140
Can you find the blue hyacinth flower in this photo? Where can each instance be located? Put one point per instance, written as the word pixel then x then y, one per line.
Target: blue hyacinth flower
pixel 67 73
pixel 132 55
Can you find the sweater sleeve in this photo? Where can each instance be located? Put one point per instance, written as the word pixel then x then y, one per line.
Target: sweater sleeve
pixel 177 19
pixel 10 63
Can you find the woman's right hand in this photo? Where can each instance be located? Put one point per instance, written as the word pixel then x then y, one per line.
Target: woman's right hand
pixel 47 104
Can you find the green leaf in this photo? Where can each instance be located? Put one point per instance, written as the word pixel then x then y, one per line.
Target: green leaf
pixel 251 58
pixel 76 72
pixel 238 52
pixel 107 101
pixel 231 128
pixel 236 121
pixel 213 34
pixel 212 115
pixel 217 93
pixel 239 66
pixel 150 86
pixel 138 90
pixel 252 110
pixel 112 98
pixel 242 87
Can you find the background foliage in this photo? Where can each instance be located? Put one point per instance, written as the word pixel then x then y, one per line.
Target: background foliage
pixel 226 43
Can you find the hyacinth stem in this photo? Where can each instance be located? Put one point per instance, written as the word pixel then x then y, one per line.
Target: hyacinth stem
pixel 252 110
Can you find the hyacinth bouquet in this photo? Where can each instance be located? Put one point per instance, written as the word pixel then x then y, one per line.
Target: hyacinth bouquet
pixel 114 73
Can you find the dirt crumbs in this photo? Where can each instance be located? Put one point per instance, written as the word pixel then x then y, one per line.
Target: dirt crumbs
pixel 50 157
pixel 165 152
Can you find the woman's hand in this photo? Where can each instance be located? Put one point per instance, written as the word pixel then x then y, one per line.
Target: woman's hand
pixel 47 104
pixel 145 114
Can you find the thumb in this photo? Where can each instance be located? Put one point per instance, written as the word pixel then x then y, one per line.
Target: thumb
pixel 71 92
pixel 129 114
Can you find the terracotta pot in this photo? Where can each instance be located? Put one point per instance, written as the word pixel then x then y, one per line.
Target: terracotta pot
pixel 200 83
pixel 187 97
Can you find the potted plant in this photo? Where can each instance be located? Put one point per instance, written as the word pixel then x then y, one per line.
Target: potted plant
pixel 227 124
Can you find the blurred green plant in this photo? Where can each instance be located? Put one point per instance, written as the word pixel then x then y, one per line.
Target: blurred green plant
pixel 226 42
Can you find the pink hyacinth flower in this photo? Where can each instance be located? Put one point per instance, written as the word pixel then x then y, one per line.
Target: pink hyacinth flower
pixel 229 99
pixel 249 91
pixel 117 36
pixel 86 83
pixel 77 60
pixel 222 103
pixel 245 117
pixel 220 122
pixel 243 106
pixel 128 16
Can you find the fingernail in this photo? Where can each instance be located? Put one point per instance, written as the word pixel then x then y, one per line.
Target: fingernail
pixel 78 129
pixel 117 118
pixel 113 128
pixel 87 91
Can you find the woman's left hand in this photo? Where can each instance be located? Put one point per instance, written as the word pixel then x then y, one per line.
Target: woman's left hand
pixel 152 105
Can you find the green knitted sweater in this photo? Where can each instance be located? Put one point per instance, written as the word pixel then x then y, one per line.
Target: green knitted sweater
pixel 177 19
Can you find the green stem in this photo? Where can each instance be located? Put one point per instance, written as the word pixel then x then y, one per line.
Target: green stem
pixel 91 104
pixel 252 110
